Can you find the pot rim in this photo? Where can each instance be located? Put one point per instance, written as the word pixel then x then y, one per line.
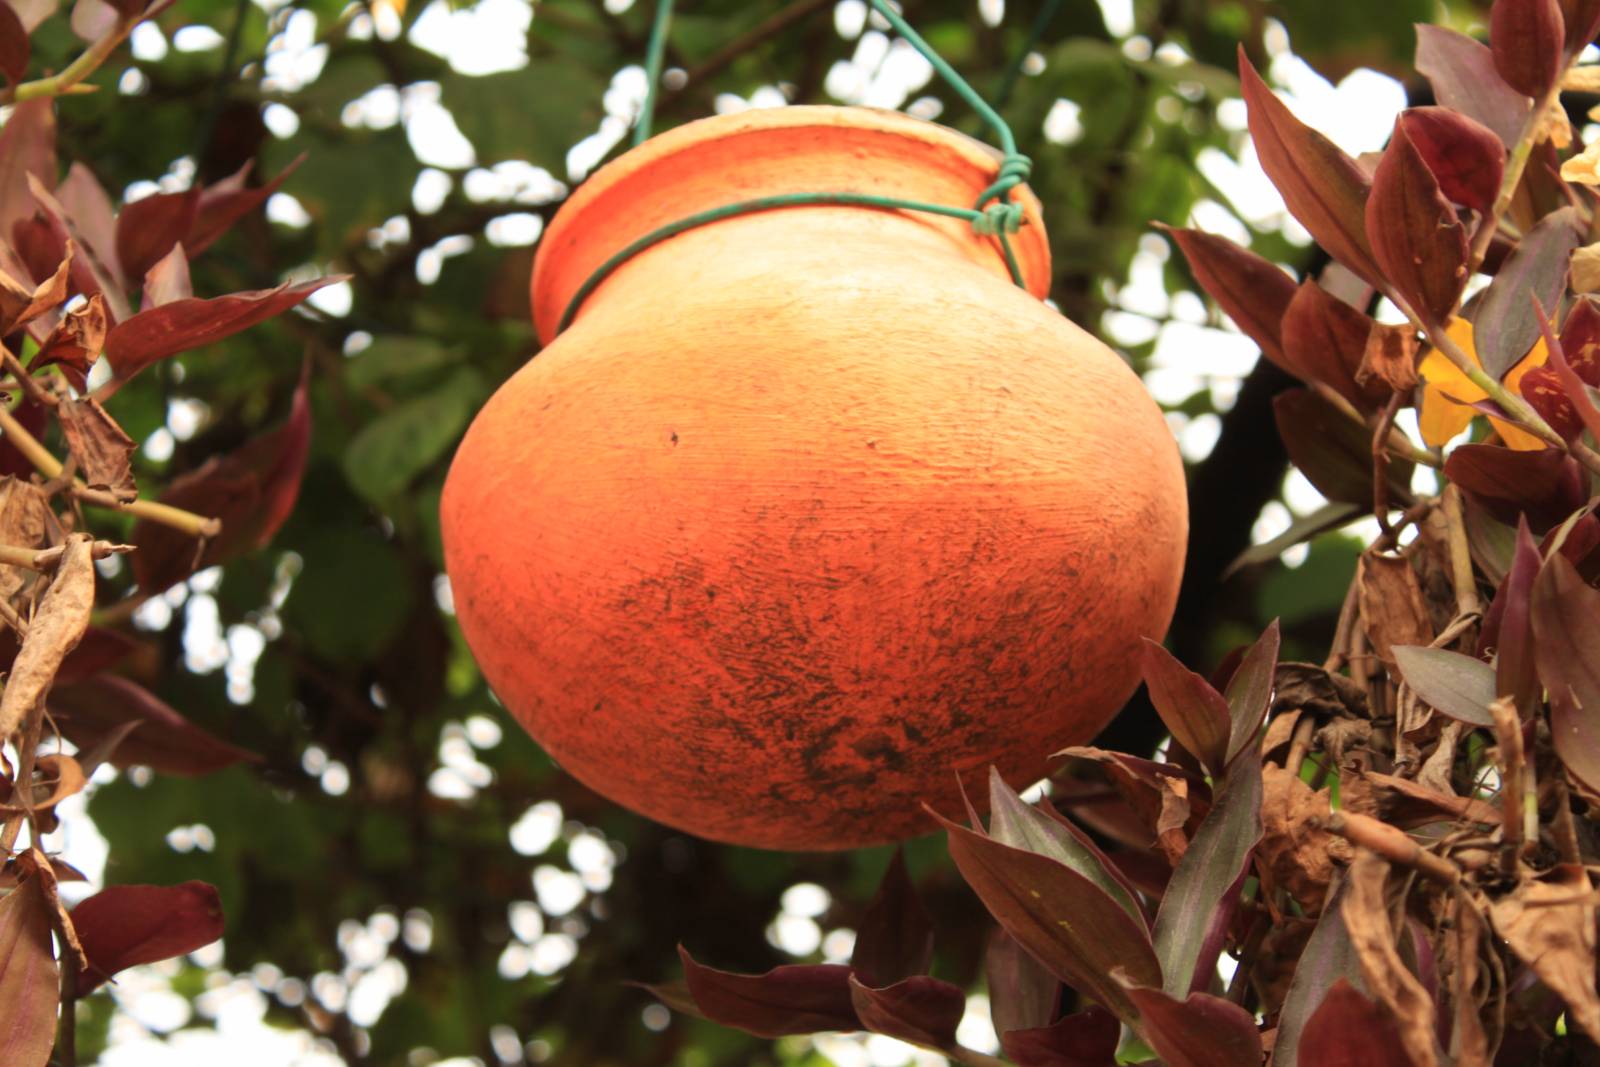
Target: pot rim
pixel 553 285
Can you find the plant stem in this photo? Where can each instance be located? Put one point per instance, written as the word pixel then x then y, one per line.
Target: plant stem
pixel 1513 405
pixel 67 81
pixel 1516 163
pixel 1397 441
pixel 47 559
pixel 186 521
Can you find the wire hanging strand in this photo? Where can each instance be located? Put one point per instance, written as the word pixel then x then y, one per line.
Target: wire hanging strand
pixel 652 71
pixel 995 215
pixel 1000 215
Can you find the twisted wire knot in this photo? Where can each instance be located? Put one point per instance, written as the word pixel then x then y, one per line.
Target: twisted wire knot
pixel 997 213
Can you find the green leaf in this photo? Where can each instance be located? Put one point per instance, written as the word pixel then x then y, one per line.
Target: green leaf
pixel 1455 685
pixel 404 441
pixel 396 357
pixel 1208 871
pixel 537 113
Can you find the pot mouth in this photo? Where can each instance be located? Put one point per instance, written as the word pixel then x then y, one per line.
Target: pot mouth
pixel 716 161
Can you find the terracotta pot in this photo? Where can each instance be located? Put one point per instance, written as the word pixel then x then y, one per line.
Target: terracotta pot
pixel 812 510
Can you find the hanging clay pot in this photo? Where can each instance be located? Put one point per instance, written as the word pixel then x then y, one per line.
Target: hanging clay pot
pixel 809 510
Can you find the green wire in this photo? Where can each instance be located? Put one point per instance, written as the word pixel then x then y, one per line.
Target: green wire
pixel 994 215
pixel 969 95
pixel 652 70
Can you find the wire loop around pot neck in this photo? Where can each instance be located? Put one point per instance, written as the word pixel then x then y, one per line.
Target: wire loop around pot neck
pixel 995 214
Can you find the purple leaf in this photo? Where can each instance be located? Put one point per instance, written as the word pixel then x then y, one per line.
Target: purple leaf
pixel 14 45
pixel 1459 686
pixel 1198 1031
pixel 89 274
pixel 229 200
pixel 1508 627
pixel 1322 186
pixel 1324 340
pixel 1506 325
pixel 1333 452
pixel 795 999
pixel 88 205
pixel 1328 958
pixel 1253 291
pixel 1527 38
pixel 148 229
pixel 156 333
pixel 167 280
pixel 252 490
pixel 1582 20
pixel 1021 825
pixel 895 937
pixel 27 148
pixel 1545 485
pixel 1250 690
pixel 1217 855
pixel 1194 713
pixel 1565 613
pixel 921 1010
pixel 1085 1039
pixel 1350 1030
pixel 90 710
pixel 1022 994
pixel 125 925
pixel 1415 235
pixel 29 984
pixel 1464 79
pixel 1464 155
pixel 1061 918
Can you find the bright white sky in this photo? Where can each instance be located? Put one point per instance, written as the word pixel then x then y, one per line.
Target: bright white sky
pixel 152 1028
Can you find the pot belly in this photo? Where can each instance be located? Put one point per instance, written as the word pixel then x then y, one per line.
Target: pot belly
pixel 778 573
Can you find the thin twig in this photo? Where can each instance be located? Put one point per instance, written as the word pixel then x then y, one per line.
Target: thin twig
pixel 1380 462
pixel 1392 844
pixel 25 381
pixel 165 514
pixel 47 559
pixel 1455 527
pixel 86 64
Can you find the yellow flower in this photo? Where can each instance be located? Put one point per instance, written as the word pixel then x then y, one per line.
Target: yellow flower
pixel 1583 168
pixel 1447 393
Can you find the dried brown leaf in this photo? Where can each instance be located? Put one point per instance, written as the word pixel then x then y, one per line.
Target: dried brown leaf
pixel 1392 607
pixel 103 450
pixel 77 340
pixel 1366 917
pixel 1294 846
pixel 56 627
pixel 1469 1044
pixel 58 777
pixel 1407 803
pixel 1549 923
pixel 25 522
pixel 1174 816
pixel 21 304
pixel 1390 357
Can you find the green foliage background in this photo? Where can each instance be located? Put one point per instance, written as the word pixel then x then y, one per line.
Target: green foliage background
pixel 365 667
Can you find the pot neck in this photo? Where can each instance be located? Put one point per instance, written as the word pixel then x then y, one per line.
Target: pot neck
pixel 785 151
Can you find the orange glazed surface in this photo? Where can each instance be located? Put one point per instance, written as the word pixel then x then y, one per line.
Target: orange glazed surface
pixel 810 511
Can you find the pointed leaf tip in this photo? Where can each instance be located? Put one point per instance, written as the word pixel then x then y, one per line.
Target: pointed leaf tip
pixel 1322 186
